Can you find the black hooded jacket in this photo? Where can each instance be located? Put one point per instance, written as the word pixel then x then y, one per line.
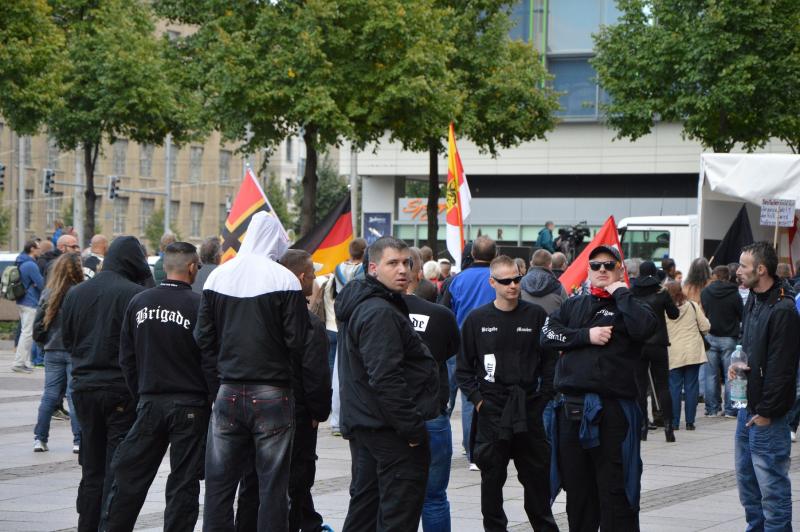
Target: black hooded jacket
pixel 723 306
pixel 648 290
pixel 387 376
pixel 92 315
pixel 770 339
pixel 311 375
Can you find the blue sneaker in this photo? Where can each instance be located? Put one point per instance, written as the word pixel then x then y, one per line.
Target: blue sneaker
pixel 327 528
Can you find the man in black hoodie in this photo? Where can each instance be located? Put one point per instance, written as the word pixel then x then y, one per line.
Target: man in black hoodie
pixel 389 386
pixel 599 336
pixel 540 286
pixel 161 365
pixel 655 357
pixel 723 306
pixel 92 320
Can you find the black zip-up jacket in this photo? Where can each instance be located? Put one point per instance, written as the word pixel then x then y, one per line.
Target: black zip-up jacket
pixel 723 306
pixel 648 290
pixel 608 370
pixel 92 314
pixel 501 350
pixel 157 352
pixel 770 339
pixel 312 374
pixel 387 375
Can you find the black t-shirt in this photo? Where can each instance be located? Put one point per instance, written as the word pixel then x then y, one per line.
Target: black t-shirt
pixel 436 325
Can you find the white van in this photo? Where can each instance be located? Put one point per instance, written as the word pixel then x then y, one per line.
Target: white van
pixel 656 237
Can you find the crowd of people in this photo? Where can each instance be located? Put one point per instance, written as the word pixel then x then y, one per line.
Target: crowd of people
pixel 232 367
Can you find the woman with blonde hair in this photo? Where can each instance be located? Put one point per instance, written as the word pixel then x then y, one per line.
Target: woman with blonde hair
pixel 66 272
pixel 698 277
pixel 686 354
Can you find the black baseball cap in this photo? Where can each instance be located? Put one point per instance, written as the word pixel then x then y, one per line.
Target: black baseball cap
pixel 605 249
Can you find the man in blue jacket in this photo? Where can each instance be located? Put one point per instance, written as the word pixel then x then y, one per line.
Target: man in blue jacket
pixel 545 239
pixel 33 282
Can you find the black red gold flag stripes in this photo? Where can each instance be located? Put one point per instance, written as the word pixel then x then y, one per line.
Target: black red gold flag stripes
pixel 249 200
pixel 329 241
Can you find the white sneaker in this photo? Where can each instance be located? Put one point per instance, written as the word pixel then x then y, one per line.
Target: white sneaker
pixel 794 436
pixel 76 449
pixel 39 446
pixel 474 467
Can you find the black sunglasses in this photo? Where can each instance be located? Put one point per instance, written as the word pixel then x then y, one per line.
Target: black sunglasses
pixel 506 282
pixel 609 265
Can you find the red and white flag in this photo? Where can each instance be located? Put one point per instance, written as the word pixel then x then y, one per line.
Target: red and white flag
pixel 458 198
pixel 578 271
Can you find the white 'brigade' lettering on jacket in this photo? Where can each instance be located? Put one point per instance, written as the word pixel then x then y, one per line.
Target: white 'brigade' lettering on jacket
pixel 163 315
pixel 488 329
pixel 551 334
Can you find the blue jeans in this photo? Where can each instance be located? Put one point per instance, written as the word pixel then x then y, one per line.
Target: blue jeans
pixel 451 376
pixel 762 473
pixel 332 348
pixel 684 378
pixel 57 383
pixel 248 416
pixel 719 358
pixel 467 410
pixel 436 510
pixel 37 355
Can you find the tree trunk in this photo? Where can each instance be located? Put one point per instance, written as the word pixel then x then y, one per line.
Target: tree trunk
pixel 433 195
pixel 309 206
pixel 90 152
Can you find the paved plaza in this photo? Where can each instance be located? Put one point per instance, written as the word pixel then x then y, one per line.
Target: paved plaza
pixel 687 486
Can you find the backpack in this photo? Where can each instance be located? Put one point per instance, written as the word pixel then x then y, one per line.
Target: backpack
pixel 11 283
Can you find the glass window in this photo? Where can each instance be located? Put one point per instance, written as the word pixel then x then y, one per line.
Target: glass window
pixel 576 78
pixel 196 211
pixel 28 206
pixel 644 244
pixel 223 216
pixel 53 208
pixel 224 165
pixel 175 207
pixel 289 149
pixel 195 164
pixel 27 146
pixel 146 208
pixel 173 162
pixel 502 234
pixel 146 160
pixel 521 21
pixel 53 154
pixel 120 215
pixel 120 157
pixel 571 24
pixel 406 232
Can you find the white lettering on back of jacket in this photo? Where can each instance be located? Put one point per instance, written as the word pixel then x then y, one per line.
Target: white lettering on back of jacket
pixel 163 315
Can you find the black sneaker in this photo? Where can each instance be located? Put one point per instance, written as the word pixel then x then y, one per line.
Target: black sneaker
pixel 61 414
pixel 690 426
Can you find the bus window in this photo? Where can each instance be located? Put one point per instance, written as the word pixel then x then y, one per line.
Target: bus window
pixel 645 244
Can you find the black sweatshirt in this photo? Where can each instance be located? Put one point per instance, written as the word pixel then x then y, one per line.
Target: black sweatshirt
pixel 607 370
pixel 311 374
pixel 436 325
pixel 157 352
pixel 501 349
pixel 723 306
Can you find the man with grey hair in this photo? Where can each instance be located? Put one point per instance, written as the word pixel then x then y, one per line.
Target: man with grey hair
pixel 158 269
pixel 210 255
pixel 559 264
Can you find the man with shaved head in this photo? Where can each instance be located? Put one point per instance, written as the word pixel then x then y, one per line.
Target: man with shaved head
pixel 97 250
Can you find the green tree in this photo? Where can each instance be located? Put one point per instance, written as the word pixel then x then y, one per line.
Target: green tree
pixel 494 90
pixel 321 69
pixel 118 83
pixel 332 188
pixel 727 70
pixel 5 224
pixel 30 64
pixel 277 198
pixel 154 230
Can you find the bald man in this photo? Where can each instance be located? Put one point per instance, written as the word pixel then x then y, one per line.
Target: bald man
pixel 97 250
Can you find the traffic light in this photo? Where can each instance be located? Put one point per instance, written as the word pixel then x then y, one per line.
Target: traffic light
pixel 49 181
pixel 113 187
pixel 2 176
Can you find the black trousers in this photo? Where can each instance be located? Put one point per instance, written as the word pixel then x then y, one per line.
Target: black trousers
pixel 531 454
pixel 179 422
pixel 656 359
pixel 105 418
pixel 302 515
pixel 593 478
pixel 388 486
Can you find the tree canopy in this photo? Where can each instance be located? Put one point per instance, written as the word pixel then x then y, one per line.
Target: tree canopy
pixel 727 70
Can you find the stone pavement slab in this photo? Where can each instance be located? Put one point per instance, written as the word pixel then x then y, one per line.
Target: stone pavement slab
pixel 687 486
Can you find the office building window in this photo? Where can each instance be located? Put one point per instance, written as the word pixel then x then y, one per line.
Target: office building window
pixel 521 21
pixel 27 147
pixel 146 160
pixel 173 163
pixel 575 77
pixel 174 215
pixel 196 211
pixel 53 208
pixel 53 154
pixel 120 157
pixel 120 215
pixel 195 164
pixel 288 149
pixel 223 216
pixel 224 166
pixel 28 208
pixel 146 209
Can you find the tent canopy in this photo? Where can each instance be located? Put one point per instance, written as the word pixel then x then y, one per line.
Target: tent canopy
pixel 752 177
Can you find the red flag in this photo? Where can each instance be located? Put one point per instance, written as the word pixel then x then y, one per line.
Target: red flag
pixel 578 271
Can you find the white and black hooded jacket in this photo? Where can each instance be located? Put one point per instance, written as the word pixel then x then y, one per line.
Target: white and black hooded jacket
pixel 253 317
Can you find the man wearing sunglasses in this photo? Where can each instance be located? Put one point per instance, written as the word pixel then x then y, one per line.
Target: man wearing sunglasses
pixel 505 372
pixel 595 429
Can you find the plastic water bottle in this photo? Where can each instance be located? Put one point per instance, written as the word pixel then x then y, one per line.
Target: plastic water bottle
pixel 739 382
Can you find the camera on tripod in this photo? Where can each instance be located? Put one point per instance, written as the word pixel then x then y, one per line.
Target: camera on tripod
pixel 570 238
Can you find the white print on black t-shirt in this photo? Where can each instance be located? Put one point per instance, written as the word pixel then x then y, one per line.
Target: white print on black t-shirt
pixel 551 334
pixel 163 315
pixel 604 312
pixel 488 329
pixel 419 321
pixel 490 365
pixel 524 329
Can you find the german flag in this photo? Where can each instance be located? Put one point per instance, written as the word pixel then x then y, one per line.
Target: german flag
pixel 250 200
pixel 329 241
